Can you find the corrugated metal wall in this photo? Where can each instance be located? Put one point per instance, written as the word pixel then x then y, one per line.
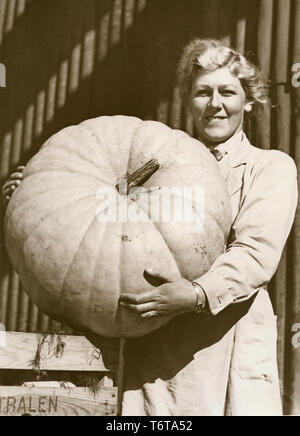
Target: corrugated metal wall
pixel 69 60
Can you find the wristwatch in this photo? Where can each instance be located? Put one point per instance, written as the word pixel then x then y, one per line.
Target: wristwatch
pixel 200 302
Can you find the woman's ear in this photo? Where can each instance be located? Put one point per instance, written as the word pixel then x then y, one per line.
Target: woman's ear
pixel 248 106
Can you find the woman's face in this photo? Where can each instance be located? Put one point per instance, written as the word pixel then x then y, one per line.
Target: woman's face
pixel 217 103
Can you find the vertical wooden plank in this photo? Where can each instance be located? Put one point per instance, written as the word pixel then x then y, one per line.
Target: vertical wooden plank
pixel 293 324
pixel 28 131
pixel 21 5
pixel 108 58
pixel 12 144
pixel 241 25
pixel 120 374
pixel 12 306
pixel 282 120
pixel 3 6
pixel 162 111
pixel 225 26
pixel 4 286
pixel 4 262
pixel 102 28
pixel 145 57
pixel 264 52
pixel 279 300
pixel 23 312
pixel 282 75
pixel 175 110
pixel 213 11
pixel 84 60
pixel 9 22
pixel 128 14
pixel 14 291
pixel 33 316
pixel 116 33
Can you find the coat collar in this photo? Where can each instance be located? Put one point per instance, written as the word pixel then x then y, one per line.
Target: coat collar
pixel 237 148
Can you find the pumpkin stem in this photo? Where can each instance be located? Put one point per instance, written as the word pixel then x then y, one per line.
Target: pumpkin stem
pixel 137 178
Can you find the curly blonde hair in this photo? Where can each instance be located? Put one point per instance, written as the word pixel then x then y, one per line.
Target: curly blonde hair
pixel 210 55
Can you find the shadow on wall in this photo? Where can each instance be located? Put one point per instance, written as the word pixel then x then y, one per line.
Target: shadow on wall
pixel 78 59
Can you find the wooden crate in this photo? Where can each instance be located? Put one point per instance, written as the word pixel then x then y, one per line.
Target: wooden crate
pixel 57 355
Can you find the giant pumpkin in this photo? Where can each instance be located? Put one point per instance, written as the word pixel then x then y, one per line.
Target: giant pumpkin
pixel 75 265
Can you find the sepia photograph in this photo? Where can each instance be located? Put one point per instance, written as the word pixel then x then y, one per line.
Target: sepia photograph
pixel 149 219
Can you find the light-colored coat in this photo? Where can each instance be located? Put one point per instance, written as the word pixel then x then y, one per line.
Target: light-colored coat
pixel 225 363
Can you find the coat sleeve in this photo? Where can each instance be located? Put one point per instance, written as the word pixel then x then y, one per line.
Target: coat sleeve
pixel 260 233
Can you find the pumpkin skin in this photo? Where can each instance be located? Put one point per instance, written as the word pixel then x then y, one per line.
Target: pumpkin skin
pixel 75 267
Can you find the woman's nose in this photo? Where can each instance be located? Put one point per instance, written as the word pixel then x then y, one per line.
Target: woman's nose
pixel 216 101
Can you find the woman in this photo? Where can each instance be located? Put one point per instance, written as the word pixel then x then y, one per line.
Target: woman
pixel 218 355
pixel 224 361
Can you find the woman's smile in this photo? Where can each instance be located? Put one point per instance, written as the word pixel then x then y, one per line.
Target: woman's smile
pixel 215 118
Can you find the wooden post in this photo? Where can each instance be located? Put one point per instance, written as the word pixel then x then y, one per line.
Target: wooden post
pixel 120 375
pixel 293 355
pixel 23 311
pixel 282 122
pixel 12 314
pixel 282 75
pixel 241 25
pixel 264 52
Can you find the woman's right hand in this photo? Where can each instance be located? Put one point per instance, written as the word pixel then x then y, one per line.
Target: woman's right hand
pixel 11 184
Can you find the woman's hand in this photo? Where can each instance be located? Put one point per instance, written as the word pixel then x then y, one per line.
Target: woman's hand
pixel 169 299
pixel 11 184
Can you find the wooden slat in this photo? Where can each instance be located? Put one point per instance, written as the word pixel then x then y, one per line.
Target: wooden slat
pixel 120 374
pixel 78 353
pixel 281 140
pixel 280 306
pixel 13 297
pixel 293 352
pixel 241 25
pixel 282 76
pixel 264 35
pixel 17 401
pixel 23 312
pixel 3 6
pixel 264 52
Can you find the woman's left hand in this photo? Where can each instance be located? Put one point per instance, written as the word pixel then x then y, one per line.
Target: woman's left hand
pixel 169 299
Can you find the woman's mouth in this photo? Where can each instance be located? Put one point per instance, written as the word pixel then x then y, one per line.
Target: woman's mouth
pixel 215 118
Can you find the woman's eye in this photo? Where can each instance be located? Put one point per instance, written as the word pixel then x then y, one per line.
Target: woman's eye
pixel 202 93
pixel 228 93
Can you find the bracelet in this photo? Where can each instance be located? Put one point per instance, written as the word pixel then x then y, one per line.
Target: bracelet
pixel 200 304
